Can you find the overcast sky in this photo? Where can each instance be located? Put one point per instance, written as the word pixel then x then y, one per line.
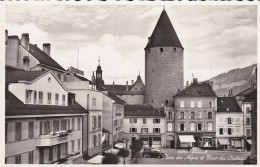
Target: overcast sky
pixel 215 38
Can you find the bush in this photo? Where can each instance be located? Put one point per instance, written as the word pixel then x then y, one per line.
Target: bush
pixel 123 153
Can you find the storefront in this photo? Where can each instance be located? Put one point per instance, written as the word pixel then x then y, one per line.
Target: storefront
pixel 223 143
pixel 186 141
pixel 151 140
pixel 169 141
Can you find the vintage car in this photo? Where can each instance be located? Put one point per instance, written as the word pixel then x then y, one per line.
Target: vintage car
pixel 153 153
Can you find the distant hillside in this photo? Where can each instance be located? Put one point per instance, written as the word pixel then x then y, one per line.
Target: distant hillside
pixel 237 79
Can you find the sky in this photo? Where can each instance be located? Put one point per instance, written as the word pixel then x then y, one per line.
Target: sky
pixel 216 39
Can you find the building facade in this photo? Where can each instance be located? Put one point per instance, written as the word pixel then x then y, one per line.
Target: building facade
pixel 146 123
pixel 195 116
pixel 44 123
pixel 229 123
pixel 163 63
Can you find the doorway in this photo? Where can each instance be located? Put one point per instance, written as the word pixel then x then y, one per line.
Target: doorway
pixel 172 144
pixel 41 151
pixel 150 141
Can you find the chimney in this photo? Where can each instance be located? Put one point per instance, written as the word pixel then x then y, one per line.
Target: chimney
pixel 126 85
pixel 149 39
pixel 25 40
pixel 47 48
pixel 132 82
pixel 187 84
pixel 6 36
pixel 231 93
pixel 195 80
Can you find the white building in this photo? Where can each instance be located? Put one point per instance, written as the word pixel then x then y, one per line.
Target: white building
pixel 44 123
pixel 229 124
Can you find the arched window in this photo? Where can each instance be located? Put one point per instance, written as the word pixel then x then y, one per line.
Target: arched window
pixel 209 115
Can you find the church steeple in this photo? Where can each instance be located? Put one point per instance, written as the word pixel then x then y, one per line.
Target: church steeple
pixel 164 33
pixel 99 79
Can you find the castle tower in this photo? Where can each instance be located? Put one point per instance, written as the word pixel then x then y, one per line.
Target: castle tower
pixel 163 63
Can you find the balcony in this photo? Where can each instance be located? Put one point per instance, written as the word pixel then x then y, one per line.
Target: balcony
pixel 57 138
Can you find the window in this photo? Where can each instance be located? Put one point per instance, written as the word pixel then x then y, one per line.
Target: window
pixel 181 127
pixel 31 129
pixel 28 94
pixel 229 121
pixel 211 104
pixel 161 49
pixel 99 121
pixel 144 121
pixel 63 124
pixel 247 121
pixel 51 153
pixel 72 146
pixel 56 98
pixel 248 132
pixel 181 104
pixel 40 97
pixel 199 104
pixel 56 125
pixel 79 143
pixel 169 126
pixel 18 159
pixel 221 131
pixel 6 129
pixel 199 115
pixel 34 97
pixel 192 126
pixel 94 122
pixel 63 99
pixel 115 122
pixel 133 130
pixel 94 140
pixel 68 123
pixel 209 115
pixel 210 125
pixel 156 121
pixel 78 123
pixel 47 128
pixel 247 110
pixel 192 115
pixel 18 130
pixel 133 120
pixel 199 127
pixel 41 128
pixel 192 104
pixel 73 124
pixel 182 115
pixel 66 148
pixel 169 115
pixel 144 130
pixel 229 131
pixel 49 98
pixel 156 130
pixel 93 101
pixel 30 157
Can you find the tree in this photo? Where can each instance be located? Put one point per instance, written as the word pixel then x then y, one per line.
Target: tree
pixel 136 147
pixel 110 158
pixel 123 153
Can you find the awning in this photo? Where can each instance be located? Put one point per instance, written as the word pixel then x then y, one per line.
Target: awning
pixel 223 142
pixel 96 160
pixel 120 145
pixel 249 141
pixel 186 138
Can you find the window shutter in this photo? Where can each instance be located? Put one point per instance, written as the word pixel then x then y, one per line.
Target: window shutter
pixel 184 128
pixel 232 120
pixel 226 120
pixel 18 129
pixel 129 130
pixel 202 126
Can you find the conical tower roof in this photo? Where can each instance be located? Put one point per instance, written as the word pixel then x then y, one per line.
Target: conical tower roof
pixel 164 33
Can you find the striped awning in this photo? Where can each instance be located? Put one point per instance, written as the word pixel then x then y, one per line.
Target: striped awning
pixel 223 142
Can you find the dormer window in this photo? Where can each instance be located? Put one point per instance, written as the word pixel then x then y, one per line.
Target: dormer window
pixel 49 79
pixel 161 49
pixel 28 96
pixel 71 98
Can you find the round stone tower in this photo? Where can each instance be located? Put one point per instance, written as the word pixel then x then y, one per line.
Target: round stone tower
pixel 163 64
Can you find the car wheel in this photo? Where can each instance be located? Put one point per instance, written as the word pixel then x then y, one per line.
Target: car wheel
pixel 163 156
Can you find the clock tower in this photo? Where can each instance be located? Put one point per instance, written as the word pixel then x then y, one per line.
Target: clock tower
pixel 99 80
pixel 163 64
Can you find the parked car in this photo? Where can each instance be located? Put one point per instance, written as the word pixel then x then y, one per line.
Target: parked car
pixel 153 153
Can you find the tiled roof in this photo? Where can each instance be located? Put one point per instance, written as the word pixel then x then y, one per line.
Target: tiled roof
pixel 228 104
pixel 43 58
pixel 10 68
pixel 164 33
pixel 128 92
pixel 197 90
pixel 15 76
pixel 141 110
pixel 13 106
pixel 115 98
pixel 114 88
pixel 82 78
